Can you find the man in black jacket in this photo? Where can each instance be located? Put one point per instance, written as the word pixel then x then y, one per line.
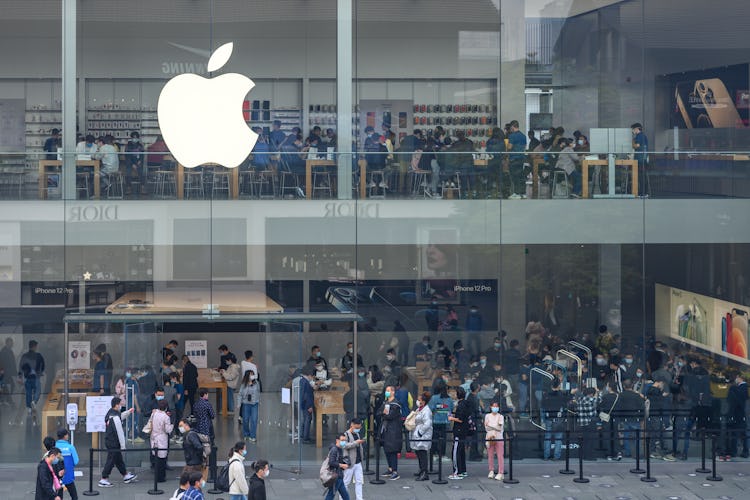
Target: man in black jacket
pixel 554 412
pixel 192 446
pixel 45 478
pixel 629 413
pixel 737 400
pixel 114 441
pixel 659 399
pixel 189 380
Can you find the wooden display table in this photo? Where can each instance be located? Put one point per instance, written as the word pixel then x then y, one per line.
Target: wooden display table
pixel 632 164
pixel 234 187
pixel 423 378
pixel 192 301
pixel 329 402
pixel 209 381
pixel 54 407
pixel 309 164
pixel 47 167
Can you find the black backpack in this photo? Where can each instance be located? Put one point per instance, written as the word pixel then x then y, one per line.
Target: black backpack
pixel 222 479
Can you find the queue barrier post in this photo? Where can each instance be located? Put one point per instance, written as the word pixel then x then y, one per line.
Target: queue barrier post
pixel 91 492
pixel 702 469
pixel 367 471
pixel 155 490
pixel 713 476
pixel 637 469
pixel 509 479
pixel 212 471
pixel 440 479
pixel 377 479
pixel 567 469
pixel 647 478
pixel 580 478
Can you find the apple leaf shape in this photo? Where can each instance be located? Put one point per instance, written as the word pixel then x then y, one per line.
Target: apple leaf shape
pixel 220 57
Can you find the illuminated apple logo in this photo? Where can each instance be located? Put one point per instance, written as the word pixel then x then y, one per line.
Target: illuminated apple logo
pixel 201 118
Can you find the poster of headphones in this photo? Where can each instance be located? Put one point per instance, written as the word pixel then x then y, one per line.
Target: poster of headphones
pixel 711 98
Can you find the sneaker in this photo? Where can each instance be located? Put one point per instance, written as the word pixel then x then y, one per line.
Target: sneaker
pixel 655 455
pixel 129 477
pixel 253 440
pixel 104 483
pixel 668 458
pixel 499 477
pixel 464 474
pixel 491 475
pixel 383 185
pixel 618 457
pixel 514 196
pixel 386 474
pixel 455 477
pixel 394 476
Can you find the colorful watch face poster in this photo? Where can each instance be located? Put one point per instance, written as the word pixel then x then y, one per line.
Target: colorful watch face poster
pixel 79 354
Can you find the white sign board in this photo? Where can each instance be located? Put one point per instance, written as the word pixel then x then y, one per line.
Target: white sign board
pixel 197 351
pixel 96 409
pixel 79 354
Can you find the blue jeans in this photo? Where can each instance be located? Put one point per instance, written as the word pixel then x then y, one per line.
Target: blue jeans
pixel 338 486
pixel 33 388
pixel 237 497
pixel 628 435
pixel 249 420
pixel 523 397
pixel 576 177
pixel 548 436
pixel 230 399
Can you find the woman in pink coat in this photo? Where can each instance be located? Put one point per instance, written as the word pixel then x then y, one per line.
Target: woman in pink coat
pixel 161 428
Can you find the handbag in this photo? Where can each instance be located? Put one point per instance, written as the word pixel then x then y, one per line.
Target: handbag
pixel 147 427
pixel 604 417
pixel 411 421
pixel 328 476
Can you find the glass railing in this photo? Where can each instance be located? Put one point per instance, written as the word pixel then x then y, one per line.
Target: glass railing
pixel 451 175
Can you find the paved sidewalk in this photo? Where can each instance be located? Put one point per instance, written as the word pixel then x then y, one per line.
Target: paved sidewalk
pixel 608 480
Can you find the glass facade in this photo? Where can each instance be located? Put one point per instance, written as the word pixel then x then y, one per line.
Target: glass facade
pixel 395 192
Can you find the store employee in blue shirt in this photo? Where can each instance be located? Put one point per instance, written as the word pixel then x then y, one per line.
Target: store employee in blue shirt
pixel 640 146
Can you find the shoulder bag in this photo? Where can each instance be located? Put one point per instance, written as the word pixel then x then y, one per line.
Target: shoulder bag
pixel 605 417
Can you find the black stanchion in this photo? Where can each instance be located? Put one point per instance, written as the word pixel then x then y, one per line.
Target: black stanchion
pixel 647 478
pixel 713 476
pixel 367 471
pixel 212 471
pixel 91 492
pixel 156 490
pixel 637 469
pixel 702 469
pixel 377 479
pixel 580 478
pixel 567 469
pixel 509 479
pixel 440 479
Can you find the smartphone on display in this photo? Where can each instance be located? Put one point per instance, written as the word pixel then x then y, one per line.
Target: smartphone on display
pixel 736 326
pixel 717 102
pixel 724 328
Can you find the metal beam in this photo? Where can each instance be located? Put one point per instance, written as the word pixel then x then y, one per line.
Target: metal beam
pixel 69 90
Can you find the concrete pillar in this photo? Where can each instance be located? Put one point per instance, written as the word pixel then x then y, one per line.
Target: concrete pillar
pixel 610 287
pixel 512 71
pixel 513 289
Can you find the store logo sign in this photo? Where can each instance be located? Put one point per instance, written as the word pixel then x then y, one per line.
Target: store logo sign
pixel 201 119
pixel 93 213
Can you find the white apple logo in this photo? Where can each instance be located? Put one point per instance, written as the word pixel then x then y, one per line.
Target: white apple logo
pixel 201 118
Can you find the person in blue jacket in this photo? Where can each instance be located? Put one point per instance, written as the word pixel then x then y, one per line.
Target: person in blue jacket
pixel 70 460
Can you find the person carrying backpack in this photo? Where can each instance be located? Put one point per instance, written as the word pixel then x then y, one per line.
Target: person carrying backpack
pixel 231 477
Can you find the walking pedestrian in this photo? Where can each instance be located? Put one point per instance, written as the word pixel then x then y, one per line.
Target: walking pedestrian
pixel 70 460
pixel 257 486
pixel 238 487
pixel 31 369
pixel 192 447
pixel 47 483
pixel 336 463
pixel 189 380
pixel 354 452
pixel 161 428
pixel 250 397
pixel 114 441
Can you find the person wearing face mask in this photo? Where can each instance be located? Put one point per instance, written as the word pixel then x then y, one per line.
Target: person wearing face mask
pixel 629 366
pixel 322 381
pixel 114 441
pixel 617 374
pixel 257 486
pixel 233 377
pixel 659 400
pixel 161 427
pixel 639 382
pixel 47 482
pixel 316 357
pixel 194 492
pixel 390 432
pixel 602 371
pixel 347 362
pixel 355 453
pixel 441 405
pixel 494 354
pixel 337 462
pixel 494 424
pixel 250 397
pixel 737 400
pixel 192 446
pixel 238 487
pixel 422 351
pixel 392 362
pixel 421 436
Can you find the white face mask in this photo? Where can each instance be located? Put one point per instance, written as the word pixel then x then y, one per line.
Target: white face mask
pixel 266 473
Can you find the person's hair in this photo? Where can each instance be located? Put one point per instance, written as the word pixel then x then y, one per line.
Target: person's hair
pixel 202 391
pixel 441 387
pixel 173 342
pixel 314 347
pixel 48 443
pixel 62 432
pixel 159 389
pixel 514 123
pixel 425 397
pixel 185 357
pixel 116 401
pixel 391 351
pixel 350 343
pixel 55 131
pixel 33 344
pixel 248 354
pixel 238 447
pixel 356 421
pixel 589 391
pixel 135 135
pixel 532 133
pixel 53 451
pixel 497 133
pixel 185 478
pixel 166 378
pixel 259 465
pixel 473 386
pixel 460 393
pixel 189 420
pixel 277 123
pixel 223 347
pixel 627 384
pixel 89 138
pixel 195 477
pixel 377 376
pixel 162 404
pixel 514 342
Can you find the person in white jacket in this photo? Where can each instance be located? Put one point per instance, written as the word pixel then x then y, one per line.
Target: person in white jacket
pixel 238 488
pixel 233 377
pixel 494 424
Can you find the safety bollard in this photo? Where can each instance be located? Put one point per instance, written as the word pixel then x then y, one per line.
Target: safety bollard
pixel 567 469
pixel 156 490
pixel 714 476
pixel 440 479
pixel 367 471
pixel 637 469
pixel 91 492
pixel 580 478
pixel 647 478
pixel 702 469
pixel 509 479
pixel 377 479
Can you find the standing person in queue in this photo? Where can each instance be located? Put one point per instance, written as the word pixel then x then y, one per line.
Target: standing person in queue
pixel 257 486
pixel 421 436
pixel 195 491
pixel 460 421
pixel 189 380
pixel 390 431
pixel 441 406
pixel 494 424
pixel 161 428
pixel 204 415
pixel 337 463
pixel 237 483
pixel 192 446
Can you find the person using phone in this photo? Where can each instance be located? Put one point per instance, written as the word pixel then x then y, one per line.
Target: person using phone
pixel 391 434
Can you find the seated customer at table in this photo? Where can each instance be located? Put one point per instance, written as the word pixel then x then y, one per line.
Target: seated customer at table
pixel 86 148
pixel 292 154
pixel 156 152
pixel 261 151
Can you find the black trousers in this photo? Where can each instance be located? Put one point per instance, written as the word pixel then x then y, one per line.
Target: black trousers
pixel 160 469
pixel 459 455
pixel 422 457
pixel 589 434
pixel 191 399
pixel 72 491
pixel 439 439
pixel 114 459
